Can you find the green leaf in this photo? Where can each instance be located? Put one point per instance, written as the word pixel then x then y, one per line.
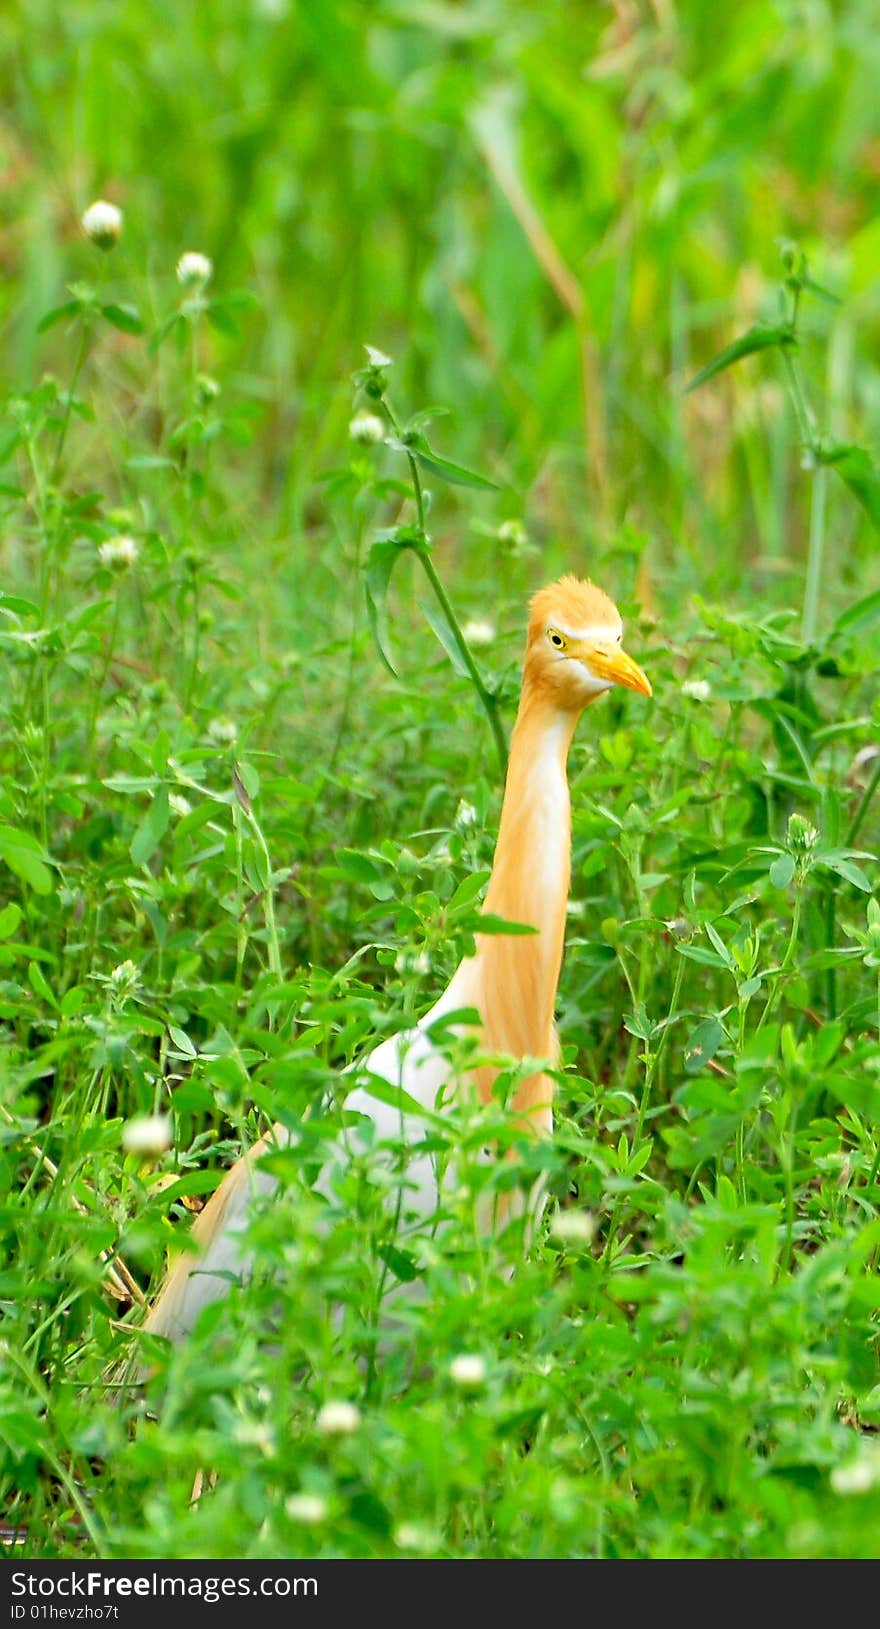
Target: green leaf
pixel 10 917
pixel 182 1041
pixel 455 474
pixel 442 629
pixel 859 617
pixel 720 946
pixel 823 293
pixel 26 857
pixel 124 317
pixel 151 829
pixel 782 870
pixel 361 867
pixel 73 1001
pixel 466 892
pixel 487 923
pixel 220 317
pixel 57 314
pixel 855 466
pixel 849 872
pixel 39 984
pixel 757 339
pixel 382 558
pixel 702 1045
pixel 18 606
pixel 400 1262
pixel 394 1096
pixel 522 1424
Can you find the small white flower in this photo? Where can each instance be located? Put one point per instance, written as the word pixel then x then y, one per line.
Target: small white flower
pixel 119 553
pixel 802 834
pixel 467 1370
pixel 857 1475
pixel 179 803
pixel 126 976
pixel 367 428
pixel 255 1434
pixel 193 268
pixel 479 632
pixel 574 1226
pixel 575 907
pixel 338 1419
pixel 697 689
pixel 414 1536
pixel 102 223
pixel 147 1134
pixel 465 815
pixel 306 1507
pixel 222 732
pixel 514 532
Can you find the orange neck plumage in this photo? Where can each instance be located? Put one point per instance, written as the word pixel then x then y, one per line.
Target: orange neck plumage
pixel 518 975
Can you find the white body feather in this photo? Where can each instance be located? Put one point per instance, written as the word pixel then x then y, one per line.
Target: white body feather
pixel 409 1060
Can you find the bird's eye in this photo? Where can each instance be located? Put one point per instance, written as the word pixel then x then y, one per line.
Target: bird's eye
pixel 556 639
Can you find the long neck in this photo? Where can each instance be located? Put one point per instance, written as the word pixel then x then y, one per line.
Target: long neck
pixel 530 877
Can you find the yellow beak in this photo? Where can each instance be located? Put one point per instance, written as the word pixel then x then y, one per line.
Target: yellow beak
pixel 611 663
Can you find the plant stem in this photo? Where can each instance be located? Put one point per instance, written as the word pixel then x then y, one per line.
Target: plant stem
pixel 68 406
pixel 864 802
pixel 268 899
pixel 787 958
pixel 814 555
pixel 487 701
pixel 801 411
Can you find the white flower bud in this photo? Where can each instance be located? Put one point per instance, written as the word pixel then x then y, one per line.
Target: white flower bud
pixel 306 1507
pixel 194 268
pixel 465 815
pixel 857 1475
pixel 366 428
pixel 222 732
pixel 102 223
pixel 468 1370
pixel 415 1536
pixel 119 553
pixel 513 533
pixel 147 1134
pixel 574 1227
pixel 478 632
pixel 126 976
pixel 697 689
pixel 802 834
pixel 338 1419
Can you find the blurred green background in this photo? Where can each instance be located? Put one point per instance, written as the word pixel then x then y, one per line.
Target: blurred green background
pixel 548 215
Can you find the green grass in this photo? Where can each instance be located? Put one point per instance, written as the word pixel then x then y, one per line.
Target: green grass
pixel 231 842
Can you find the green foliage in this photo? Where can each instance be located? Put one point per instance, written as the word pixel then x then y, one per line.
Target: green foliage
pixel 235 851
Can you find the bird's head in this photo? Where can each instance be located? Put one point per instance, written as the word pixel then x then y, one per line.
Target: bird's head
pixel 574 650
